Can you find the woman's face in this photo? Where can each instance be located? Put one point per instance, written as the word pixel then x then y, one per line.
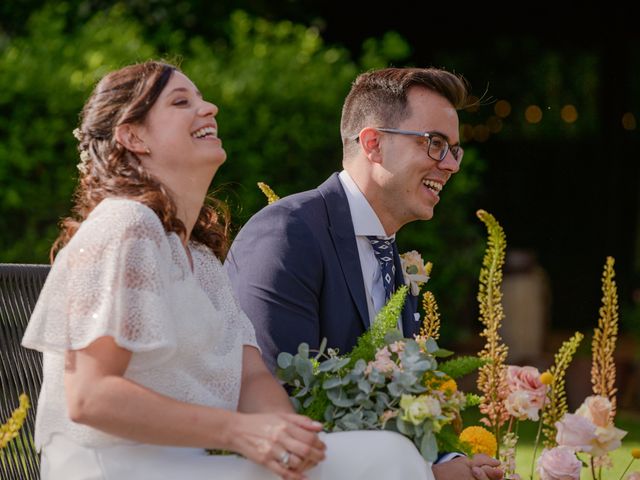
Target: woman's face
pixel 181 131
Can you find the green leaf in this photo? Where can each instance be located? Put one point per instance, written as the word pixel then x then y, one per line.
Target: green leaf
pixel 461 366
pixel 429 447
pixel 303 350
pixel 442 353
pixel 331 382
pixel 364 385
pixel 339 398
pixel 284 359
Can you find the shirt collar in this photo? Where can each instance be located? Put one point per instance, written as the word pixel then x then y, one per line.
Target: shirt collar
pixel 365 220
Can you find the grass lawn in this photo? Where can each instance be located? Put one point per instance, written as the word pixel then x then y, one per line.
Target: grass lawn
pixel 628 421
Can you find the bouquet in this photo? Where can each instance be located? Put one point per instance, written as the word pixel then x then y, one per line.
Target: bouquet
pixel 385 382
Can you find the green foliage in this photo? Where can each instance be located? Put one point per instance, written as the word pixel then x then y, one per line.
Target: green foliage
pixel 461 366
pixel 386 321
pixel 385 382
pixel 44 79
pixel 383 390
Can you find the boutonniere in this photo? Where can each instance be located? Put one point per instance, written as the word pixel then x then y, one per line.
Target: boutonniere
pixel 415 271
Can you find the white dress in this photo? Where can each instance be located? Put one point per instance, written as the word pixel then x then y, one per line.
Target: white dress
pixel 123 276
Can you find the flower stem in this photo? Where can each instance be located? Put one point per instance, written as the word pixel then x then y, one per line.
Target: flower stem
pixel 593 468
pixel 535 445
pixel 626 469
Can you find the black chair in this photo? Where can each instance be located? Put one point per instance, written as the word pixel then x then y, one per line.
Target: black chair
pixel 20 369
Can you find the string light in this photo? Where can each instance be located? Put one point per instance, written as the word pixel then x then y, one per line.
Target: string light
pixel 533 114
pixel 502 108
pixel 569 114
pixel 629 121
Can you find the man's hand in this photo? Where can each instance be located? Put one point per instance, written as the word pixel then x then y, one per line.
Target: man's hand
pixel 479 467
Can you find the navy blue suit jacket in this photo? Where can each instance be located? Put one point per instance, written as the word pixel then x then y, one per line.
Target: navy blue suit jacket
pixel 296 272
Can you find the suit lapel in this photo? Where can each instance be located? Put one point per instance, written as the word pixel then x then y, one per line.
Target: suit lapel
pixel 409 324
pixel 344 241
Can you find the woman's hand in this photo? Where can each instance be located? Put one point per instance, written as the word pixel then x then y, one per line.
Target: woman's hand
pixel 270 439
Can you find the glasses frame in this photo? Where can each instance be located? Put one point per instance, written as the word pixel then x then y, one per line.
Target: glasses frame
pixel 428 136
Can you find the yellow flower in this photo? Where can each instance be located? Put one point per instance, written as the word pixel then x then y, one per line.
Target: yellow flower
pixel 635 452
pixel 480 439
pixel 444 384
pixel 9 430
pixel 450 386
pixel 546 378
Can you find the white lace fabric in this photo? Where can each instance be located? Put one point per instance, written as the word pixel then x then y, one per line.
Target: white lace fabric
pixel 123 276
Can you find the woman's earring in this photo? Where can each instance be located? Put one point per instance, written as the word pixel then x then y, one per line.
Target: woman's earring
pixel 147 151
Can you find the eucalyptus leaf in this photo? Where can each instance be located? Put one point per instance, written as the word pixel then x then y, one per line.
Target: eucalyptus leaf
pixel 338 398
pixel 364 385
pixel 431 345
pixel 303 350
pixel 331 382
pixel 404 428
pixel 393 336
pixel 284 359
pixel 321 348
pixel 429 447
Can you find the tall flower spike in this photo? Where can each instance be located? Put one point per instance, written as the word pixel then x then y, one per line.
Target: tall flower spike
pixel 10 429
pixel 556 407
pixel 603 369
pixel 431 324
pixel 386 321
pixel 492 376
pixel 270 194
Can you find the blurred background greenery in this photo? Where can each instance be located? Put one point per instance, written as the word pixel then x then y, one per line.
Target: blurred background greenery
pixel 551 150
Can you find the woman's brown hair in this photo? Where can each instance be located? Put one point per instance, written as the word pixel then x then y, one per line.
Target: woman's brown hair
pixel 107 169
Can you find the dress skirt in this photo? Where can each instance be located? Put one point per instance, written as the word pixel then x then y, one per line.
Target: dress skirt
pixel 354 455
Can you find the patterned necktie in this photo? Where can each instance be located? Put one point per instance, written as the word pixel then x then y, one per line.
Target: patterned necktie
pixel 383 248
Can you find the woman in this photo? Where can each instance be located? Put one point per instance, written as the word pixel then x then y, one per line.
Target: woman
pixel 148 361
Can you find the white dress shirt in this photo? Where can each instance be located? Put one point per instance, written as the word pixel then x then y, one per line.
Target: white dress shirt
pixel 366 222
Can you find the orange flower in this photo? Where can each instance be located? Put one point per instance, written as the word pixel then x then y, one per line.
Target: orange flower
pixel 480 439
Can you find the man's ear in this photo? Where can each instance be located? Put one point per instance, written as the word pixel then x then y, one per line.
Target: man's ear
pixel 127 136
pixel 369 140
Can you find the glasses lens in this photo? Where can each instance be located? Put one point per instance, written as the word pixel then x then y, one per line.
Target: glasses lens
pixel 438 147
pixel 457 153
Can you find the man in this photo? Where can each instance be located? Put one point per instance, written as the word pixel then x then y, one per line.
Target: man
pixel 310 266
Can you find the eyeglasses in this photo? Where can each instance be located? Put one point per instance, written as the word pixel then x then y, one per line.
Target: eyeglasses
pixel 437 146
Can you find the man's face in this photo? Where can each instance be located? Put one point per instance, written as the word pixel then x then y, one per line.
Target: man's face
pixel 411 181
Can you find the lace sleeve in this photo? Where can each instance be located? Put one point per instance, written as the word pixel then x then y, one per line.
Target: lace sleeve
pixel 110 280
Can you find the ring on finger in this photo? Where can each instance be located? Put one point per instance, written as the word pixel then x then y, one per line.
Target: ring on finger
pixel 284 458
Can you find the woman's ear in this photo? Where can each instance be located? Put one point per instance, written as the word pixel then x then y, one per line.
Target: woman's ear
pixel 127 136
pixel 369 140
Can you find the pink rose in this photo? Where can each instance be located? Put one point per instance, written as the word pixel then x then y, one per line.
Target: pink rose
pixel 520 405
pixel 597 409
pixel 607 439
pixel 527 379
pixel 559 463
pixel 576 432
